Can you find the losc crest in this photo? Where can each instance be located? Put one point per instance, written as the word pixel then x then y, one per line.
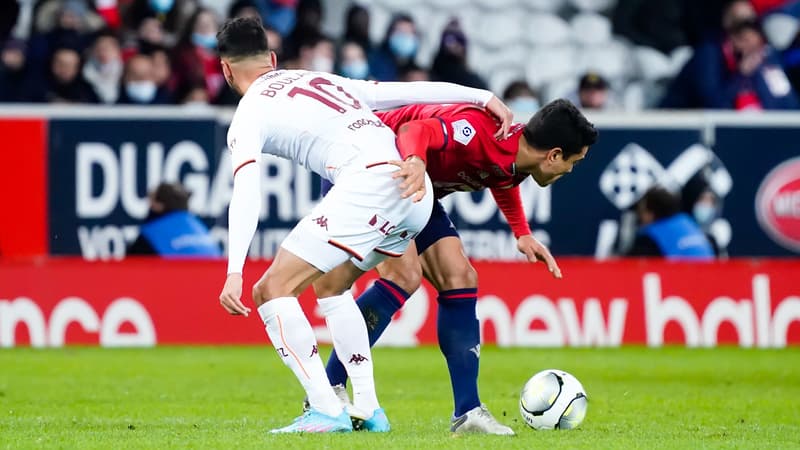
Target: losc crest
pixel 778 204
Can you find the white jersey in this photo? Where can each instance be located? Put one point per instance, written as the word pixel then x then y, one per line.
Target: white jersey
pixel 321 121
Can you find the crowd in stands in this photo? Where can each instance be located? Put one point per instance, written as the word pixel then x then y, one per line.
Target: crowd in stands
pixel 601 54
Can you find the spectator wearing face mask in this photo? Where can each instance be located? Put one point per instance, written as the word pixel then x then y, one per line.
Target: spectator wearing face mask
pixel 666 232
pixel 139 85
pixel 398 50
pixel 195 59
pixel 353 62
pixel 103 70
pixel 450 64
pixel 736 71
pixel 700 202
pixel 64 81
pixel 521 98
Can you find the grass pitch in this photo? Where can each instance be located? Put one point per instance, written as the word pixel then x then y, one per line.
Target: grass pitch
pixel 228 397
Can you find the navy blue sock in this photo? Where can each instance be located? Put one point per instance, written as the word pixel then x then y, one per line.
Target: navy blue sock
pixel 459 339
pixel 377 304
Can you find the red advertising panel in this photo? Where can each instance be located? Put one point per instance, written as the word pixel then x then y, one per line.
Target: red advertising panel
pixel 23 159
pixel 147 302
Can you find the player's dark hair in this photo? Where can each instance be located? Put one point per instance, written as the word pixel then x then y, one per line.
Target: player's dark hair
pixel 661 202
pixel 241 38
pixel 560 124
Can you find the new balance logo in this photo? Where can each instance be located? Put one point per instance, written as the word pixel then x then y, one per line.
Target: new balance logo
pixel 357 359
pixel 314 351
pixel 321 221
pixel 476 350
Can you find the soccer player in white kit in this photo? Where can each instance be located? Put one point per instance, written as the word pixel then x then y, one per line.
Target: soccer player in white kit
pixel 325 123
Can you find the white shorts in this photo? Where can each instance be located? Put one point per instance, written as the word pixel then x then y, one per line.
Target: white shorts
pixel 363 218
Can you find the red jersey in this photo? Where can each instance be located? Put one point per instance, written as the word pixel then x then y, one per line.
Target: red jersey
pixel 462 153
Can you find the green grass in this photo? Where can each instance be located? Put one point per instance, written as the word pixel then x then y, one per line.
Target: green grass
pixel 227 397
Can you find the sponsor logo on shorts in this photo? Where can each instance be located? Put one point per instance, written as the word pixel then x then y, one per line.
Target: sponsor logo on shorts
pixel 357 359
pixel 314 351
pixel 282 352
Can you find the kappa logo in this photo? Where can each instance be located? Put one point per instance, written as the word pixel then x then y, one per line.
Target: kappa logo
pixel 463 131
pixel 314 351
pixel 357 359
pixel 322 221
pixel 778 204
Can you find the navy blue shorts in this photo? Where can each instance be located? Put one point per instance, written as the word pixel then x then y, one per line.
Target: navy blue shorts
pixel 439 225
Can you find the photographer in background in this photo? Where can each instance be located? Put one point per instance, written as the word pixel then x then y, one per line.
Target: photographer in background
pixel 170 230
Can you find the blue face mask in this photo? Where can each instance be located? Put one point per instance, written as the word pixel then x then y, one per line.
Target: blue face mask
pixel 141 91
pixel 403 45
pixel 704 213
pixel 357 70
pixel 161 6
pixel 524 105
pixel 207 41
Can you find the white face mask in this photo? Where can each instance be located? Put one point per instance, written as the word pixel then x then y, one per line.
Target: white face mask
pixel 322 64
pixel 141 91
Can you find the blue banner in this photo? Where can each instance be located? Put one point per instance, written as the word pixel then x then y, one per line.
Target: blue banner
pixel 101 170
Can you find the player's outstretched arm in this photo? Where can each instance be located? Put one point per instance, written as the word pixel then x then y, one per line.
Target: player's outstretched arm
pixel 509 202
pixel 387 95
pixel 536 251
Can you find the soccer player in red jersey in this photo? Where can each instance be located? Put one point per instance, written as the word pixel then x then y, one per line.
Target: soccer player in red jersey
pixel 457 145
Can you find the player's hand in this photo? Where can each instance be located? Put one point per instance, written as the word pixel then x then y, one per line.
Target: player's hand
pixel 502 112
pixel 412 170
pixel 536 251
pixel 231 295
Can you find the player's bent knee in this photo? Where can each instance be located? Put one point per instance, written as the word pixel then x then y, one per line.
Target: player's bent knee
pixel 267 289
pixel 407 276
pixel 462 277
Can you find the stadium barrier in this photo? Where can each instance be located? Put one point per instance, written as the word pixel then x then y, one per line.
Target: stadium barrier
pixel 86 172
pixel 145 302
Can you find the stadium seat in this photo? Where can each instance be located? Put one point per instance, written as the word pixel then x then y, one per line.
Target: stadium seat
pixel 652 64
pixel 546 29
pixel 379 19
pixel 594 5
pixel 445 6
pixel 612 60
pixel 781 29
pixel 500 79
pixel 679 57
pixel 547 64
pixel 400 5
pixel 562 88
pixel 545 5
pixel 633 96
pixel 588 28
pixel 496 30
pixel 497 5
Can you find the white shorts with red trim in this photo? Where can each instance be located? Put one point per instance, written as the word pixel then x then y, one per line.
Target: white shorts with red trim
pixel 363 218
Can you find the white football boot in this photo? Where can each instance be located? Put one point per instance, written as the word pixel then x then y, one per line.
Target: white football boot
pixel 479 420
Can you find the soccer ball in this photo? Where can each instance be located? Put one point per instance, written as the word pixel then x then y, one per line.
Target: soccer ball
pixel 553 399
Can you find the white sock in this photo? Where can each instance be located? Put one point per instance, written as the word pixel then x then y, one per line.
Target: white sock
pixel 293 338
pixel 349 333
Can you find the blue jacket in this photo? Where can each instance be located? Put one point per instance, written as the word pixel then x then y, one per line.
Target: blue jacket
pixel 706 82
pixel 679 237
pixel 180 234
